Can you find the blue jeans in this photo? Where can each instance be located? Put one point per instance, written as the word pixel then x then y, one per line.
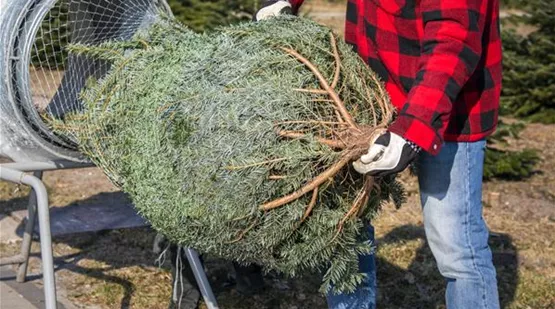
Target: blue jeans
pixel 451 196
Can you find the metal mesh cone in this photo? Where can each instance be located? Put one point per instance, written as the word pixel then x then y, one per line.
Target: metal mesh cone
pixel 43 80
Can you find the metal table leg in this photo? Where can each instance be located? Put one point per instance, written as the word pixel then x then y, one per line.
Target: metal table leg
pixel 44 228
pixel 200 276
pixel 28 234
pixel 38 201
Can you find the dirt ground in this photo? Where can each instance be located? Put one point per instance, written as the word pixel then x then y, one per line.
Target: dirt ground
pixel 117 269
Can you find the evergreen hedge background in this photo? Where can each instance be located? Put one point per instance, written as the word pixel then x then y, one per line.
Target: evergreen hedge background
pixel 529 63
pixel 506 164
pixel 202 15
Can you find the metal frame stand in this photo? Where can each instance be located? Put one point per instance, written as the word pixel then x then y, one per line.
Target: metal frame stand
pixel 40 198
pixel 38 202
pixel 22 258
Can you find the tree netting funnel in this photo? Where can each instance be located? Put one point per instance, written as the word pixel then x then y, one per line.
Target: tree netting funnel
pixel 40 80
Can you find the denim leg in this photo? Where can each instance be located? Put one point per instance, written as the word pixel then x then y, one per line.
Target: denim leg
pixel 451 196
pixel 364 297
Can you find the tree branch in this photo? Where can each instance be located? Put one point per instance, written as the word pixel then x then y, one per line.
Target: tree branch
pixel 333 95
pixel 337 61
pixel 311 204
pixel 315 182
pixel 328 142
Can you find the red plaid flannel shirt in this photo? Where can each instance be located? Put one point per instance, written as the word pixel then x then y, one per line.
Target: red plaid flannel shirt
pixel 440 61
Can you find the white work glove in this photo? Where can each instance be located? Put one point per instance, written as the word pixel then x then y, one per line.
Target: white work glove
pixel 389 154
pixel 272 8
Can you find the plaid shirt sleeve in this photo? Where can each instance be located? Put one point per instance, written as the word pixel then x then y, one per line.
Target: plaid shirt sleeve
pixel 296 4
pixel 450 51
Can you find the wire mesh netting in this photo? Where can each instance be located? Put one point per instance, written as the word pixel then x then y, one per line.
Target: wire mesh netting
pixel 238 142
pixel 47 80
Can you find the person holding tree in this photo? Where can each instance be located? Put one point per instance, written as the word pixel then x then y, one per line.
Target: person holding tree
pixel 441 64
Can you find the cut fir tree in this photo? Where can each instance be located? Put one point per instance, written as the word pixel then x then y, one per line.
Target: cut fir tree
pixel 239 143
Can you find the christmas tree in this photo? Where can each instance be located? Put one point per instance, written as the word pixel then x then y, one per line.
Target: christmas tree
pixel 239 143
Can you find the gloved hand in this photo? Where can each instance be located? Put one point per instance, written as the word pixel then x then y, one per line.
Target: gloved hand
pixel 389 154
pixel 271 8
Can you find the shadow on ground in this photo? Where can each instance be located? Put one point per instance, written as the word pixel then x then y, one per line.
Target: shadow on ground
pixel 417 286
pixel 421 285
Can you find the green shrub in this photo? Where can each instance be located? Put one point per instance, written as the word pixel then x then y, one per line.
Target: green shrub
pixel 201 15
pixel 501 163
pixel 48 51
pixel 529 65
pixel 513 3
